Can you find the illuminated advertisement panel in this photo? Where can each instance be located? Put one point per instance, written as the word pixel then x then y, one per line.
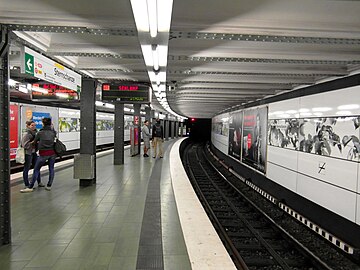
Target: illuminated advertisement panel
pixel 254 138
pixel 235 134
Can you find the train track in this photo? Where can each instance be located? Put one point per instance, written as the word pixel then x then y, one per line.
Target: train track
pixel 253 238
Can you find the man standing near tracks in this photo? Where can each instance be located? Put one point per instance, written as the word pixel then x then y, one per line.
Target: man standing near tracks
pixel 158 138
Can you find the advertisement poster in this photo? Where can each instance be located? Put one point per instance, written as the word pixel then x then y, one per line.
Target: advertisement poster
pixel 235 134
pixel 331 136
pixel 14 130
pixel 220 125
pixel 68 124
pixel 37 118
pixel 254 138
pixel 284 133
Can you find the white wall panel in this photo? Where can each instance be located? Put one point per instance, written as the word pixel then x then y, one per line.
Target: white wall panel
pixel 333 198
pixel 358 197
pixel 282 176
pixel 220 142
pixel 284 109
pixel 283 157
pixel 340 102
pixel 334 171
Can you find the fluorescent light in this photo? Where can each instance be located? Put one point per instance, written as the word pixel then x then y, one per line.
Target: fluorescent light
pixel 321 109
pixel 12 82
pixel 152 16
pixel 62 95
pixel 164 10
pixel 23 89
pixel 148 55
pixel 109 105
pixel 344 113
pixel 140 15
pixel 304 110
pixel 162 55
pixel 349 107
pixel 155 54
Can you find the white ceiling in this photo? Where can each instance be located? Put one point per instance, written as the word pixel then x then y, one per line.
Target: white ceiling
pixel 221 53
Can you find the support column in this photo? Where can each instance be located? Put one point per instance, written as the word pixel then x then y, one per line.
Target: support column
pixel 88 128
pixel 177 129
pixel 172 129
pixel 5 225
pixel 119 134
pixel 182 129
pixel 138 124
pixel 166 128
pixel 148 114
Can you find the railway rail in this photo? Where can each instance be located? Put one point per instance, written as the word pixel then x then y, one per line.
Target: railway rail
pixel 256 234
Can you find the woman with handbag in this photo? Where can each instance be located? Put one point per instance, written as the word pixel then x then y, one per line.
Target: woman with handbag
pixel 44 140
pixel 30 152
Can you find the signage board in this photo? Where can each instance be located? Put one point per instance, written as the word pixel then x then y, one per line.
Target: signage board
pixel 126 93
pixel 48 70
pixel 52 91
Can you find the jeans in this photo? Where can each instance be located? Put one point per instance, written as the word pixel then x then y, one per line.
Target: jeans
pixel 39 163
pixel 29 160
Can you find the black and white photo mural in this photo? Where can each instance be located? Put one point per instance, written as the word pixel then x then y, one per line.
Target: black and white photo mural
pixel 235 134
pixel 327 136
pixel 284 133
pixel 254 138
pixel 331 136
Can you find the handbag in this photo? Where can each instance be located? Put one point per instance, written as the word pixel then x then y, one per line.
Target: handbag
pixel 59 147
pixel 20 155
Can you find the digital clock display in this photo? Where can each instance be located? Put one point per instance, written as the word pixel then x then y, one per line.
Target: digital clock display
pixel 126 93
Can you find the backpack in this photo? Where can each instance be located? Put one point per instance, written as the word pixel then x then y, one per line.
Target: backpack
pixel 157 132
pixel 59 147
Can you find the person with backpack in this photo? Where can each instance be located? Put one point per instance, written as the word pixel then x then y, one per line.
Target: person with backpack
pixel 30 152
pixel 44 140
pixel 158 138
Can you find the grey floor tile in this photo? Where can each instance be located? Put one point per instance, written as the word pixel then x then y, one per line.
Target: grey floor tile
pixel 178 262
pixel 68 264
pixel 123 263
pixel 47 256
pixel 95 227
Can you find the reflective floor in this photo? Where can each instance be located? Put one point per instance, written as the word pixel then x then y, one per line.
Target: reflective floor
pixel 102 226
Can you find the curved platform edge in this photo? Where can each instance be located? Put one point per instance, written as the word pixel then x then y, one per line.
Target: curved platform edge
pixel 204 247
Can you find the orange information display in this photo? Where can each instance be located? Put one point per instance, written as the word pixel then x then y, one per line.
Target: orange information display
pixel 126 93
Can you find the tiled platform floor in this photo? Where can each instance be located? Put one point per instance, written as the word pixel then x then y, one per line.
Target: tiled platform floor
pixel 97 227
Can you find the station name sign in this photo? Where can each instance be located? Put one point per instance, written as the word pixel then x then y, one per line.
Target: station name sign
pixel 126 93
pixel 44 68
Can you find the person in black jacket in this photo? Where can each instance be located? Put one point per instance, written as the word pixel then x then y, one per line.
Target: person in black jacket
pixel 44 140
pixel 158 138
pixel 30 152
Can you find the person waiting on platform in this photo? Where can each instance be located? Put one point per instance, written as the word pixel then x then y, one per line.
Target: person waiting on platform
pixel 158 138
pixel 44 140
pixel 146 137
pixel 30 152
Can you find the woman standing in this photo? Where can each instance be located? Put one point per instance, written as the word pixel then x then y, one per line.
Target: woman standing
pixel 30 152
pixel 44 140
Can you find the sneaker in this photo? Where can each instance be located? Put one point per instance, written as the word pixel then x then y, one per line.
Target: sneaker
pixel 161 156
pixel 48 188
pixel 146 155
pixel 41 185
pixel 26 190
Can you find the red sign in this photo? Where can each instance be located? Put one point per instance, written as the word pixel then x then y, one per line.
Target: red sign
pixel 136 120
pixel 249 143
pixel 14 130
